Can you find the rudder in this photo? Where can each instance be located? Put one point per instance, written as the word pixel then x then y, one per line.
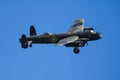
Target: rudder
pixel 32 31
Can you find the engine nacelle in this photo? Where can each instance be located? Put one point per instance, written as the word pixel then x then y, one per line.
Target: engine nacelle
pixel 76 44
pixel 90 28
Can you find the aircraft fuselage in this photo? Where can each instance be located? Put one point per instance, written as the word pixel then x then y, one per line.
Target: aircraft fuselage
pixel 54 38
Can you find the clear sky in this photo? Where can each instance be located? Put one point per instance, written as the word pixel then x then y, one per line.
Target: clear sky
pixel 98 61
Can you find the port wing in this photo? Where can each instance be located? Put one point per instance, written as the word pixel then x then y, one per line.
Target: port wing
pixel 67 40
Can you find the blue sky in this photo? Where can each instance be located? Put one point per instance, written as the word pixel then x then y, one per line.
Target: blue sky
pixel 98 61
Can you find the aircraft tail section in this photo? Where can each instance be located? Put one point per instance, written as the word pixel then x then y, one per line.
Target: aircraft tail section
pixel 77 26
pixel 32 31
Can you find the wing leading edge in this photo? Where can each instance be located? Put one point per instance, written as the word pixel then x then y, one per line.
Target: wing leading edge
pixel 67 40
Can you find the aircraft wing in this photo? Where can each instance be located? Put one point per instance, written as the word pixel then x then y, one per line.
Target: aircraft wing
pixel 77 26
pixel 67 40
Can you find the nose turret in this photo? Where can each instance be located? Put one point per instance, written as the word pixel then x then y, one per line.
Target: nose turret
pixel 98 35
pixel 95 35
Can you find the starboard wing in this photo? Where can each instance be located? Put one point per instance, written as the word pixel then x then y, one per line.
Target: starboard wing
pixel 77 26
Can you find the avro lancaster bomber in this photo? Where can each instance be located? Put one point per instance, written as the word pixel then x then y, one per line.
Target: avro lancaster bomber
pixel 77 36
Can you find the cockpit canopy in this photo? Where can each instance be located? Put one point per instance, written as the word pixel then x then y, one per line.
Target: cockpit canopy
pixel 93 32
pixel 47 33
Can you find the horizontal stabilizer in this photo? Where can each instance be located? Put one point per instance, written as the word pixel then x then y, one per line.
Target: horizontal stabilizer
pixel 67 40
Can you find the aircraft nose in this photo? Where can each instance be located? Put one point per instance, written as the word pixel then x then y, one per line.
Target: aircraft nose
pixel 99 35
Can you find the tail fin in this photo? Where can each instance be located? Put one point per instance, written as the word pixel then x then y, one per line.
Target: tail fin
pixel 32 31
pixel 78 25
